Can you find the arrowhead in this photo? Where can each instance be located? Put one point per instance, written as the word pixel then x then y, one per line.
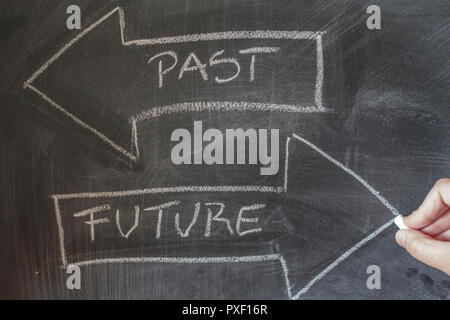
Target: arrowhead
pixel 84 81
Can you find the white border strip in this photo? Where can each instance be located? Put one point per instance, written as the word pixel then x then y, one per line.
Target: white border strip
pixel 114 194
pixel 188 260
pixel 198 106
pixel 229 35
pixel 319 77
pixel 62 248
pixel 286 165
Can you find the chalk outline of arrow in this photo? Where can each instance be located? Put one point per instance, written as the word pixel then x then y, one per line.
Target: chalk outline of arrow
pixel 218 105
pixel 287 35
pixel 258 189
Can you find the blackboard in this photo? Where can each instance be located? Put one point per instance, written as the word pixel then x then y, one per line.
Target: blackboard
pixel 87 177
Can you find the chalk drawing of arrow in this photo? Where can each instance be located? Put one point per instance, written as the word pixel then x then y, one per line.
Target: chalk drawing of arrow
pixel 76 73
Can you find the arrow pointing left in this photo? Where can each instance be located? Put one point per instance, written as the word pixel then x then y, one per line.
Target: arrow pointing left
pixel 99 79
pixel 59 83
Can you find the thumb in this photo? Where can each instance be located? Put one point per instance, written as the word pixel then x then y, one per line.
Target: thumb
pixel 432 252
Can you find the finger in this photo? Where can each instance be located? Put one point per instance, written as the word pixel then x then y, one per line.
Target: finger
pixel 444 236
pixel 435 204
pixel 432 252
pixel 440 225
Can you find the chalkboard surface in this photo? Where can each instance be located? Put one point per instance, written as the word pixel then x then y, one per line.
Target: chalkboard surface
pixel 347 127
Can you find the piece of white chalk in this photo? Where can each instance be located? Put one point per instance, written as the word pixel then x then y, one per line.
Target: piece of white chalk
pixel 399 222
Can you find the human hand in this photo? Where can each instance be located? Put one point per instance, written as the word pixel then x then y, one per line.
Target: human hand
pixel 428 240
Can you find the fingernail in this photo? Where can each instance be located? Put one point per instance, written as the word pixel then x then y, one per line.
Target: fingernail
pixel 400 237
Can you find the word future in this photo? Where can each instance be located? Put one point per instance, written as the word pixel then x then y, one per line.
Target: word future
pixel 193 63
pixel 244 224
pixel 187 151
